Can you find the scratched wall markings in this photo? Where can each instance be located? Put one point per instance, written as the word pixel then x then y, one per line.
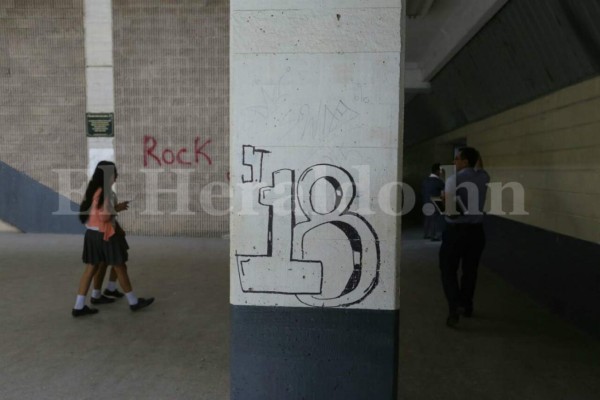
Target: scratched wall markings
pixel 307 120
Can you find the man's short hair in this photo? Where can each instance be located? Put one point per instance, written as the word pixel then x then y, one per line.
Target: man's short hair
pixel 469 154
pixel 435 168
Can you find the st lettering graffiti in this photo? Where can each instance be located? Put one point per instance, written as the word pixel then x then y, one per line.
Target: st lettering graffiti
pixel 284 266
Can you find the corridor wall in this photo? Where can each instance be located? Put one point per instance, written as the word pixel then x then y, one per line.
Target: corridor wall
pixel 551 147
pixel 171 112
pixel 42 107
pixel 171 63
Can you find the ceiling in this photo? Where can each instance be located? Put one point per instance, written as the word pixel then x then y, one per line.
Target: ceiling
pixel 436 30
pixel 527 50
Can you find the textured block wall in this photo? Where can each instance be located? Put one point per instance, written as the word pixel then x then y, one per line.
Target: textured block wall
pixel 171 67
pixel 42 88
pixel 551 146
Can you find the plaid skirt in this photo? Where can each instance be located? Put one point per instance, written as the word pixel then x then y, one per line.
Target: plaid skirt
pixel 96 250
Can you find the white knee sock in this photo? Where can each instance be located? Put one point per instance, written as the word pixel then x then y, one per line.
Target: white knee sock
pixel 95 294
pixel 112 286
pixel 131 298
pixel 79 302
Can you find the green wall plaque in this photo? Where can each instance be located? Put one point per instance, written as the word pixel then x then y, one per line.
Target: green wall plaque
pixel 99 124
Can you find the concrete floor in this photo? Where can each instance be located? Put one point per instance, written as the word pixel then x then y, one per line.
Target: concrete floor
pixel 179 347
pixel 511 349
pixel 176 349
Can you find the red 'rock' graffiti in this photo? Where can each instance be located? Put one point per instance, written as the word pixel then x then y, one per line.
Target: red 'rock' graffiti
pixel 182 156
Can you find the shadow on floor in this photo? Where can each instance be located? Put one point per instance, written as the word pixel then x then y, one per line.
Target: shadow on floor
pixel 511 349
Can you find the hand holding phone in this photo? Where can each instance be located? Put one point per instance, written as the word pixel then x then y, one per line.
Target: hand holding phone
pixel 122 206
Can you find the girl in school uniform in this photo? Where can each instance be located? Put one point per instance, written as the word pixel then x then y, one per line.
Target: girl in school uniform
pixel 111 293
pixel 101 243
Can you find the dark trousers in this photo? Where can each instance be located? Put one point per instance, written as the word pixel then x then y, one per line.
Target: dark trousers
pixel 462 245
pixel 433 226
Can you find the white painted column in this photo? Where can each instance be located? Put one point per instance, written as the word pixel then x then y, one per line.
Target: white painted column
pixel 315 90
pixel 99 74
pixel 316 133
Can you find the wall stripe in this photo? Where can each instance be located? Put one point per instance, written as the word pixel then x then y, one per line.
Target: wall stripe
pixel 29 206
pixel 559 271
pixel 304 353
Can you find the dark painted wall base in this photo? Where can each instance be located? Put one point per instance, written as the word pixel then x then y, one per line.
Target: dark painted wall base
pixel 559 271
pixel 318 354
pixel 29 206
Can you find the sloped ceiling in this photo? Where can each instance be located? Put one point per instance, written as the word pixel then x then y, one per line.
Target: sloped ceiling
pixel 528 49
pixel 436 31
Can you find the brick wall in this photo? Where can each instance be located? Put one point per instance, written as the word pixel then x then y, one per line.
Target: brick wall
pixel 171 92
pixel 551 146
pixel 42 88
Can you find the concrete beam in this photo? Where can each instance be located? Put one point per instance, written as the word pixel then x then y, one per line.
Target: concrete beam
pixel 415 8
pixel 458 29
pixel 413 79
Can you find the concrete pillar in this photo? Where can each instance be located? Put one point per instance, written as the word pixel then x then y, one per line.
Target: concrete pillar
pixel 315 97
pixel 99 76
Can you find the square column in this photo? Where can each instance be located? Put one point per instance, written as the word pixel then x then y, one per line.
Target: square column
pixel 315 98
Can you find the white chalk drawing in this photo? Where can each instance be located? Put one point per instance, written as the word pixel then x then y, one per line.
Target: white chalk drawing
pixel 284 268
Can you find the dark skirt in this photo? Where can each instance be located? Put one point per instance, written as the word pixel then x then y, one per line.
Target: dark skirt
pixel 96 250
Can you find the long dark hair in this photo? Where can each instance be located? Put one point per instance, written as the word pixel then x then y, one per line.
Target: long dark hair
pixel 101 179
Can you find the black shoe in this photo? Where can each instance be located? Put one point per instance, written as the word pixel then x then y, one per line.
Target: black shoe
pixel 84 311
pixel 102 300
pixel 452 320
pixel 142 303
pixel 113 293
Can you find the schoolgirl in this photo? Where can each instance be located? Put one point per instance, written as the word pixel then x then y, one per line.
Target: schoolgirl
pixel 111 293
pixel 101 243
